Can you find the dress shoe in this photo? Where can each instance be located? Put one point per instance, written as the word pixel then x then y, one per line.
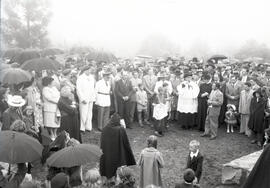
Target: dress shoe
pixel 157 134
pixel 204 135
pixel 213 137
pixel 129 127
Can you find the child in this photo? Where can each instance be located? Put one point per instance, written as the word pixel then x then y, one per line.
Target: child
pixel 160 111
pixel 125 177
pixel 150 162
pixel 141 97
pixel 195 160
pixel 92 178
pixel 230 117
pixel 189 177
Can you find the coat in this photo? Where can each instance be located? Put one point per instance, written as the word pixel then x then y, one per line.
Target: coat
pixel 9 116
pixel 85 88
pixel 51 97
pixel 245 100
pixel 103 91
pixel 123 89
pixel 216 97
pixel 69 118
pixel 259 176
pixel 256 118
pixel 196 164
pixel 116 150
pixel 149 83
pixel 150 162
pixel 233 90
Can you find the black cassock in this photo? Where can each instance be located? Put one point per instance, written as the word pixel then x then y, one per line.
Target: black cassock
pixel 259 176
pixel 116 150
pixel 202 105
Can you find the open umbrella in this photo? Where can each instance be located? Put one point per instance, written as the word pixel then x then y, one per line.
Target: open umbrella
pixel 105 57
pixel 11 53
pixel 217 57
pixel 51 51
pixel 12 76
pixel 40 64
pixel 75 155
pixel 25 55
pixel 18 147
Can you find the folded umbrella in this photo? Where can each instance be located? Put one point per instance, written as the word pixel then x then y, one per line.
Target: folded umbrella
pixel 18 147
pixel 75 155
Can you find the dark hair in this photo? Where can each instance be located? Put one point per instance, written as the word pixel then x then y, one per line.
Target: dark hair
pixel 217 85
pixel 152 141
pixel 248 84
pixel 189 175
pixel 47 81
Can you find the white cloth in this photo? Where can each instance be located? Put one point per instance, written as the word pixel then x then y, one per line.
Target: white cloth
pixel 86 113
pixel 51 96
pixel 86 88
pixel 194 154
pixel 103 93
pixel 160 111
pixel 187 99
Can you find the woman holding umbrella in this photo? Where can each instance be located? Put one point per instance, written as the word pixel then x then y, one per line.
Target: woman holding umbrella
pixel 51 114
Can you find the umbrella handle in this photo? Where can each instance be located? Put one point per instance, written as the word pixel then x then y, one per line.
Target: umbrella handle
pixel 9 169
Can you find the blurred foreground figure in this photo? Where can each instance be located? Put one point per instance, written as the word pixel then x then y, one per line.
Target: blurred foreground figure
pixel 259 176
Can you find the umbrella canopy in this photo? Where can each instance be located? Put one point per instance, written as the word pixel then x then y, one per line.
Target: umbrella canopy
pixel 217 57
pixel 25 55
pixel 39 64
pixel 4 66
pixel 18 147
pixel 11 53
pixel 51 51
pixel 12 76
pixel 75 155
pixel 100 56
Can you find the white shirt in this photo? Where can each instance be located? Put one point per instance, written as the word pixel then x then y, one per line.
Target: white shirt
pixel 103 90
pixel 160 84
pixel 86 88
pixel 194 154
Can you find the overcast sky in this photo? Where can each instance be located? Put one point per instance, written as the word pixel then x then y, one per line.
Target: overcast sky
pixel 121 25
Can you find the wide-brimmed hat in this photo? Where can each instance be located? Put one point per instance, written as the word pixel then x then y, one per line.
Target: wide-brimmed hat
pixel 16 101
pixel 187 74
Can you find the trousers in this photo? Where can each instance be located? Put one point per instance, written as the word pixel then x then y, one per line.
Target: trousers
pixel 86 113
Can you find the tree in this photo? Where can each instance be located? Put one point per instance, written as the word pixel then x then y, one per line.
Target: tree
pixel 25 23
pixel 253 49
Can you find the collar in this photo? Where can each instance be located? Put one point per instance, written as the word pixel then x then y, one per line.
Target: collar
pixel 188 183
pixel 194 154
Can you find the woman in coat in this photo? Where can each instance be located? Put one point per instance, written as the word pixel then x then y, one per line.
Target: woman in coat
pixel 51 112
pixel 69 114
pixel 257 109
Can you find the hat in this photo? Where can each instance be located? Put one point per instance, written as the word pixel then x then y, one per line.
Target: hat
pixel 187 74
pixel 16 101
pixel 106 72
pixel 85 68
pixel 189 175
pixel 231 106
pixel 60 180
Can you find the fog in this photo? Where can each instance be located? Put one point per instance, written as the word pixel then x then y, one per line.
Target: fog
pixel 121 25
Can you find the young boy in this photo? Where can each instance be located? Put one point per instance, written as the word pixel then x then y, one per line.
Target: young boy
pixel 189 177
pixel 195 160
pixel 141 99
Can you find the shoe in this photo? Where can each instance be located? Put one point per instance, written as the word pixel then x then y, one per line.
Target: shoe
pixel 228 131
pixel 232 130
pixel 204 135
pixel 100 130
pixel 140 124
pixel 157 134
pixel 146 123
pixel 253 141
pixel 212 137
pixel 129 127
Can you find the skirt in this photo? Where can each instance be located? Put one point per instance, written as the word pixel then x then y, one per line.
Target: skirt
pixel 50 120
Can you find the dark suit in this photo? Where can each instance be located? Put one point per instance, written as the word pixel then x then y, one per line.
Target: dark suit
pixel 9 116
pixel 196 164
pixel 123 89
pixel 185 185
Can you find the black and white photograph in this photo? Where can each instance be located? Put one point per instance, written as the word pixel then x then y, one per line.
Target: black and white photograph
pixel 134 94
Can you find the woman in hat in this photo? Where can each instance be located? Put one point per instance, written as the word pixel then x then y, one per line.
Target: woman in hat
pixel 51 114
pixel 187 107
pixel 257 109
pixel 69 113
pixel 14 112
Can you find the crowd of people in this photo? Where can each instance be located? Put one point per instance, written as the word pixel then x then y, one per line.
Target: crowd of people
pixel 188 94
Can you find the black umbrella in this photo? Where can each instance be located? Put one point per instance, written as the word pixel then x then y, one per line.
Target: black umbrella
pixel 40 64
pixel 217 57
pixel 25 55
pixel 11 53
pixel 51 52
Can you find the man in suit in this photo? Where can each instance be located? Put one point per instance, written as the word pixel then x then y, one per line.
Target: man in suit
pixel 233 90
pixel 123 91
pixel 149 82
pixel 214 104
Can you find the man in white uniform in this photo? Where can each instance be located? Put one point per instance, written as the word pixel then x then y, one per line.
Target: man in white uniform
pixel 86 93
